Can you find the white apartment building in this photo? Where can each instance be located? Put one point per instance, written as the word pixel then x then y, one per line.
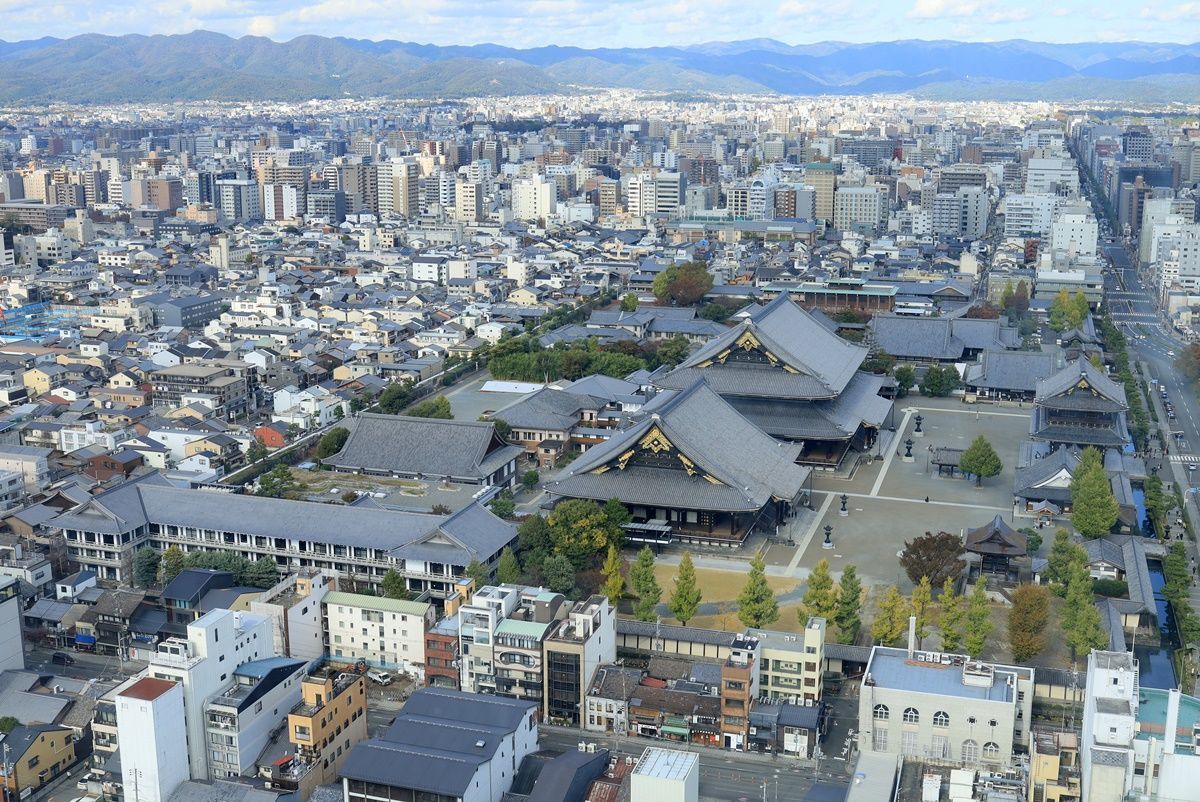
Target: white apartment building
pixel 943 706
pixel 387 633
pixel 534 198
pixel 239 199
pixel 283 202
pixel 1052 176
pixel 202 663
pixel 1075 230
pixel 150 716
pixel 241 718
pixel 294 607
pixel 32 462
pixel 1029 215
pixel 12 649
pixel 859 206
pixel 1162 211
pixel 399 191
pixel 500 638
pixel 791 665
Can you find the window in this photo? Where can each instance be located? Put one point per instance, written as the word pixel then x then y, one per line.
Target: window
pixel 911 716
pixel 941 719
pixel 991 751
pixel 941 747
pixel 879 739
pixel 970 751
pixel 881 713
pixel 908 743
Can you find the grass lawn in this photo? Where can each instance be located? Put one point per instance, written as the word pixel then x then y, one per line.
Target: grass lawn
pixel 323 481
pixel 717 586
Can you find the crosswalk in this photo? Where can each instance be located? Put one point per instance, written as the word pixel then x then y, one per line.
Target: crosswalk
pixel 1184 459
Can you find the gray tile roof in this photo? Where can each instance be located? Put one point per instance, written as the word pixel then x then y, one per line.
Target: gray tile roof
pixel 547 408
pixel 1081 385
pixel 399 444
pixel 1027 479
pixel 749 467
pixel 941 338
pixel 649 629
pixel 1011 371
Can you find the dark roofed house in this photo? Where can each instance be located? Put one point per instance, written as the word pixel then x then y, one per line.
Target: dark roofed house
pixel 445 745
pixel 1010 375
pixel 692 464
pixel 549 420
pixel 994 548
pixel 782 369
pixel 470 452
pixel 1080 405
pixel 940 339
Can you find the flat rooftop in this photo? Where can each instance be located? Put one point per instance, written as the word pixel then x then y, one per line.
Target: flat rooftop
pixel 665 764
pixel 894 669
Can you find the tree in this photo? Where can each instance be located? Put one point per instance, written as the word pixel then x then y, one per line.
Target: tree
pixel 629 303
pixel 686 595
pixel 580 529
pixel 921 601
pixel 937 556
pixel 674 350
pixel 395 586
pixel 848 616
pixel 939 381
pixel 261 573
pixel 503 505
pixel 440 509
pixel 173 561
pixel 503 429
pixel 820 597
pixel 257 451
pixel 508 570
pixel 476 571
pixel 1081 616
pixel 1079 310
pixel 529 480
pixel 953 612
pixel 1060 311
pixel 559 574
pixel 1020 304
pixel 277 483
pixel 645 585
pixel 8 724
pixel 614 580
pixel 757 606
pixel 891 618
pixel 716 312
pixel 394 398
pixel 906 377
pixel 1094 509
pixel 1033 539
pixel 332 442
pixel 683 284
pixel 437 407
pixel 1027 619
pixel 145 567
pixel 981 460
pixel 534 543
pixel 979 620
pixel 1006 297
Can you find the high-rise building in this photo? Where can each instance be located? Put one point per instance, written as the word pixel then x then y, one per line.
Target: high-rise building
pixel 164 193
pixel 399 191
pixel 859 208
pixel 238 199
pixel 822 177
pixel 151 732
pixel 468 201
pixel 282 202
pixel 533 198
pixel 327 204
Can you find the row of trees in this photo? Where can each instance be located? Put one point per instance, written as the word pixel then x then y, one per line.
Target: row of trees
pixel 963 623
pixel 152 567
pixel 525 359
pixel 1069 578
pixel 839 604
pixel 1177 590
pixel 685 594
pixel 1115 347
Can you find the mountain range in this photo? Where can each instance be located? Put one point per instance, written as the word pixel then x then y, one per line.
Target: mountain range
pixel 210 66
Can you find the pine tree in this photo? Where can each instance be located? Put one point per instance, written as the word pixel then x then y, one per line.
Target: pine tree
pixel 476 571
pixel 849 607
pixel 645 585
pixel 145 566
pixel 686 596
pixel 508 570
pixel 173 561
pixel 757 606
pixel 1063 551
pixel 953 613
pixel 820 598
pixel 614 581
pixel 981 460
pixel 922 600
pixel 1094 509
pixel 891 618
pixel 979 620
pixel 395 586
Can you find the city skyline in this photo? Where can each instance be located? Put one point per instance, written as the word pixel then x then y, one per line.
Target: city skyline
pixel 618 23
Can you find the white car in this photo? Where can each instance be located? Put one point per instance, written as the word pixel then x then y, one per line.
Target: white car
pixel 381 677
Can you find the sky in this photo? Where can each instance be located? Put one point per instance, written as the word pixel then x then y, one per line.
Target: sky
pixel 617 23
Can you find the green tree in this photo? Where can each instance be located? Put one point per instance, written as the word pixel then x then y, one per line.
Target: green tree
pixel 580 530
pixel 1081 616
pixel 978 620
pixel 614 579
pixel 278 483
pixel 921 603
pixel 1007 296
pixel 332 442
pixel 437 407
pixel 1079 310
pixel 534 543
pixel 1060 311
pixel 530 479
pixel 715 312
pixel 686 595
pixel 950 625
pixel 173 561
pixel 936 556
pixel 683 284
pixel 8 724
pixel 503 506
pixel 508 570
pixel 257 451
pixel 820 597
pixel 145 567
pixel 629 303
pixel 395 398
pixel 645 585
pixel 674 350
pixel 1094 509
pixel 757 606
pixel 1063 552
pixel 261 573
pixel 1027 619
pixel 849 606
pixel 478 572
pixel 980 460
pixel 939 381
pixel 395 586
pixel 891 618
pixel 906 378
pixel 559 574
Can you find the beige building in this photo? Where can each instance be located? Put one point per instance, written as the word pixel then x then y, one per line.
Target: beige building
pixel 791 664
pixel 388 633
pixel 329 721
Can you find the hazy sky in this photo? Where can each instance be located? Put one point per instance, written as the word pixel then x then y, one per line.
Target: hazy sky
pixel 617 23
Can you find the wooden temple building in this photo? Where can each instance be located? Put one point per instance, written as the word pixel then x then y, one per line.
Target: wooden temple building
pixel 794 379
pixel 691 468
pixel 995 549
pixel 1080 406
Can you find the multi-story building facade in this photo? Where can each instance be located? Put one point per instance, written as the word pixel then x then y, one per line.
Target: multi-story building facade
pixel 572 651
pixel 739 689
pixel 791 665
pixel 330 719
pixel 388 633
pixel 218 385
pixel 149 726
pixel 241 718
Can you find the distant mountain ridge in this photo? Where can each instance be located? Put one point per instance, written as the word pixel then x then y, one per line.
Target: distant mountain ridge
pixel 204 65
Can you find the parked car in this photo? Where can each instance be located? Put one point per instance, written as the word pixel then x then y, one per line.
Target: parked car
pixel 381 677
pixel 62 659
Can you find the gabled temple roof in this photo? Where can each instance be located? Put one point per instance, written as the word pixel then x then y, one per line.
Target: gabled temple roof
pixel 690 450
pixel 1083 386
pixel 996 537
pixel 797 357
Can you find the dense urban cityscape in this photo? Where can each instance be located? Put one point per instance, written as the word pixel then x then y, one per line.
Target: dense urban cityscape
pixel 580 439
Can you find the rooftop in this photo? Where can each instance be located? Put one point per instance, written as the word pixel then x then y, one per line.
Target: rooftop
pixel 944 675
pixel 666 764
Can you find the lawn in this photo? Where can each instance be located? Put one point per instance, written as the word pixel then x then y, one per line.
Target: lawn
pixel 717 586
pixel 324 481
